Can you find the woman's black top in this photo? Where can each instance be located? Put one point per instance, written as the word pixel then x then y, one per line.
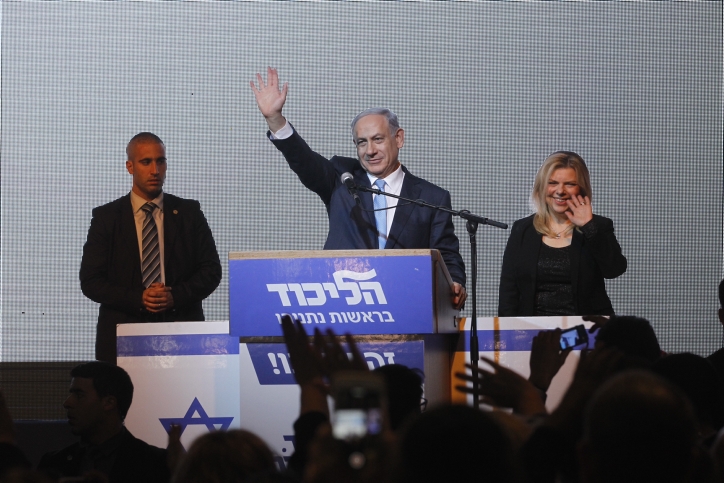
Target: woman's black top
pixel 553 291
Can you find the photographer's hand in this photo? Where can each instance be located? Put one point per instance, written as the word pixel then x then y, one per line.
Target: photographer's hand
pixel 504 387
pixel 546 358
pixel 594 368
pixel 333 356
pixel 307 367
pixel 598 322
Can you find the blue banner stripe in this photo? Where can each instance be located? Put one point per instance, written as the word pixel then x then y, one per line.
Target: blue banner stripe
pixel 177 345
pixel 272 366
pixel 503 340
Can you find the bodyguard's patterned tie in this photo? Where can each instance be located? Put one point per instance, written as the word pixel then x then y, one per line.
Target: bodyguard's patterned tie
pixel 150 251
pixel 380 201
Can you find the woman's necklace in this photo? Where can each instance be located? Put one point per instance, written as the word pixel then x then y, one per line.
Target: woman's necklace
pixel 559 234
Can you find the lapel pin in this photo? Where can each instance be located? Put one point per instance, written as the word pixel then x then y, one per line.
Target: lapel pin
pixel 175 212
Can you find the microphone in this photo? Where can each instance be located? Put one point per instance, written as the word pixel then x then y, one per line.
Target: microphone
pixel 348 180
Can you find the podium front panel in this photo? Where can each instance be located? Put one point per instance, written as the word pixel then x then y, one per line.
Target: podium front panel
pixel 361 292
pixel 507 341
pixel 184 373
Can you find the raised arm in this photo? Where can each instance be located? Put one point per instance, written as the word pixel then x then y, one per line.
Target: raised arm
pixel 270 98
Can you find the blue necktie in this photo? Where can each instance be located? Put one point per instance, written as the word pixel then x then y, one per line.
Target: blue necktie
pixel 150 252
pixel 379 202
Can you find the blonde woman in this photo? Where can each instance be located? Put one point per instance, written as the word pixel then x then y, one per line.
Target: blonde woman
pixel 557 259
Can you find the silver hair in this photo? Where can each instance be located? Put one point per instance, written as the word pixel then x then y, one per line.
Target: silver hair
pixel 379 111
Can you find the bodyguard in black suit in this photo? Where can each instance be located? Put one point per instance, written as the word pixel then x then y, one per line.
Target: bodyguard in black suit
pixel 378 139
pixel 186 267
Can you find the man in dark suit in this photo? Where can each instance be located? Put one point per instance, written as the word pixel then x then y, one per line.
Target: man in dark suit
pixel 354 225
pixel 100 396
pixel 150 256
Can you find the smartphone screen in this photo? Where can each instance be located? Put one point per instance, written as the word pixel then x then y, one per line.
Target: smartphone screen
pixel 349 423
pixel 358 406
pixel 573 337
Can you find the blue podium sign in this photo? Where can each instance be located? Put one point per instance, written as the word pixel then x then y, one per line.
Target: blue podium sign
pixel 347 291
pixel 272 366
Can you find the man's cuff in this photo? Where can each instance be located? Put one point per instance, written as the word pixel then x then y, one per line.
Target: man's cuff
pixel 283 133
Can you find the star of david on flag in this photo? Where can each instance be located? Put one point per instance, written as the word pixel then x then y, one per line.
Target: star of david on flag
pixel 212 424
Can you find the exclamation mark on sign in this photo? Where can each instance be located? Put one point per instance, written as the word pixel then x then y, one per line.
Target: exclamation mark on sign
pixel 273 360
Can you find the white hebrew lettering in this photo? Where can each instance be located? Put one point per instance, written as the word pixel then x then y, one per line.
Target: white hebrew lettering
pixel 281 289
pixel 315 294
pixel 297 289
pixel 377 289
pixel 376 357
pixel 309 317
pixel 320 298
pixel 332 289
pixel 339 277
pixel 285 363
pixel 273 359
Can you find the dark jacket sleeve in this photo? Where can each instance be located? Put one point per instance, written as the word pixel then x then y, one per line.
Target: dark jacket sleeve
pixel 64 462
pixel 508 292
pixel 443 238
pixel 604 247
pixel 314 170
pixel 97 279
pixel 139 462
pixel 203 269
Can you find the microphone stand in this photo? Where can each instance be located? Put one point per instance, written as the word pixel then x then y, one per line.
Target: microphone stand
pixel 464 214
pixel 472 226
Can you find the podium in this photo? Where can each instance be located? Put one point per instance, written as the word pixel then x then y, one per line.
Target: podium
pixel 214 375
pixel 236 374
pixel 397 304
pixel 364 292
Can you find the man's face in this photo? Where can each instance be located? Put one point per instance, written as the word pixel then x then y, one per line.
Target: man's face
pixel 377 147
pixel 85 410
pixel 147 164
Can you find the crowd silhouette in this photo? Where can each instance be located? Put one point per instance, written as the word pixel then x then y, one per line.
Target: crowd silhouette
pixel 632 413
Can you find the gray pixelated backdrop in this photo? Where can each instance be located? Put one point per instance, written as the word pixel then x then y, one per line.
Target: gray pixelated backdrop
pixel 485 90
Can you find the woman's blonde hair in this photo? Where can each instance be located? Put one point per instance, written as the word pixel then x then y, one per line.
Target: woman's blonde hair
pixel 557 160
